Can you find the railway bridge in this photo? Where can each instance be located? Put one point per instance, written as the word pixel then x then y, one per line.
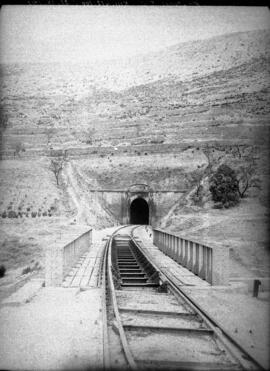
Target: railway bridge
pixel 143 274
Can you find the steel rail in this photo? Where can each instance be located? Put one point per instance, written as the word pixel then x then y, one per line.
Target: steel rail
pixel 227 339
pixel 107 274
pixel 106 353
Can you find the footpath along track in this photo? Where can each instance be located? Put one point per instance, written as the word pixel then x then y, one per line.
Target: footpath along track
pixel 149 323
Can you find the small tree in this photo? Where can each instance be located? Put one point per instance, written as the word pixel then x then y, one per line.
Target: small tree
pixel 224 186
pixel 198 176
pixel 246 177
pixel 208 152
pixel 57 164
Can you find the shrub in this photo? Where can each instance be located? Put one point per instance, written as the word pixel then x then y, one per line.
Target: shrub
pixel 197 196
pixel 45 213
pixel 37 266
pixel 4 214
pixel 26 270
pixel 218 205
pixel 33 214
pixel 2 270
pixel 12 214
pixel 224 186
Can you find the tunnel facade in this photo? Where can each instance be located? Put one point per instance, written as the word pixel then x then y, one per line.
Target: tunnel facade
pixel 130 206
pixel 139 211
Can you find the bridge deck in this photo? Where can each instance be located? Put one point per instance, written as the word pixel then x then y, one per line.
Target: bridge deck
pixel 182 275
pixel 85 273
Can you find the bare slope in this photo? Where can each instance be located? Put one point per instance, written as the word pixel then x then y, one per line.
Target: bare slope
pixel 180 93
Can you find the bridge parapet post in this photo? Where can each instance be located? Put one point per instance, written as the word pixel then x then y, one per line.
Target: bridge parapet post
pixel 209 263
pixel 60 259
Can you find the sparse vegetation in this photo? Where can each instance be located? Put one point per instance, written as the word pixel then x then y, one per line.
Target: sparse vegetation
pixel 31 268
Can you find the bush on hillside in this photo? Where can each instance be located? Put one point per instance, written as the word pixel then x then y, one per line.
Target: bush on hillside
pixel 2 270
pixel 224 186
pixel 31 268
pixel 12 214
pixel 26 270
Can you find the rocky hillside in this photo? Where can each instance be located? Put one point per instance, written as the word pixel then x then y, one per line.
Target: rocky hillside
pixel 204 90
pixel 157 119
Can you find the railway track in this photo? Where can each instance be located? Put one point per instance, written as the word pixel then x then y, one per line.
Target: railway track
pixel 150 324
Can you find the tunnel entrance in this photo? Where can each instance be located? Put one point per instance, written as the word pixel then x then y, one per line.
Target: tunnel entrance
pixel 139 211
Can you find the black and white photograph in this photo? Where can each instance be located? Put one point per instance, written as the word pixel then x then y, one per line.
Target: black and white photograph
pixel 134 187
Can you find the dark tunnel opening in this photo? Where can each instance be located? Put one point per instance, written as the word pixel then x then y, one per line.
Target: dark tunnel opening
pixel 139 212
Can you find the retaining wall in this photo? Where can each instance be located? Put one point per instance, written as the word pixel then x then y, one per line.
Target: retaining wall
pixel 60 259
pixel 209 263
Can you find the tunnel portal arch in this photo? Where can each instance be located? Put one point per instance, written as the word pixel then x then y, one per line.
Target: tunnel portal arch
pixel 139 211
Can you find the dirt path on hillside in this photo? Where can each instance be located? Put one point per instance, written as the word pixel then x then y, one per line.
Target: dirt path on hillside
pixel 90 209
pixel 72 187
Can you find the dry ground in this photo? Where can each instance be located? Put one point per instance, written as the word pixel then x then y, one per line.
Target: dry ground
pixel 54 330
pixel 23 245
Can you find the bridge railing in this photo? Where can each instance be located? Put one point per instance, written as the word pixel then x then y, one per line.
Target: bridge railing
pixel 61 258
pixel 209 263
